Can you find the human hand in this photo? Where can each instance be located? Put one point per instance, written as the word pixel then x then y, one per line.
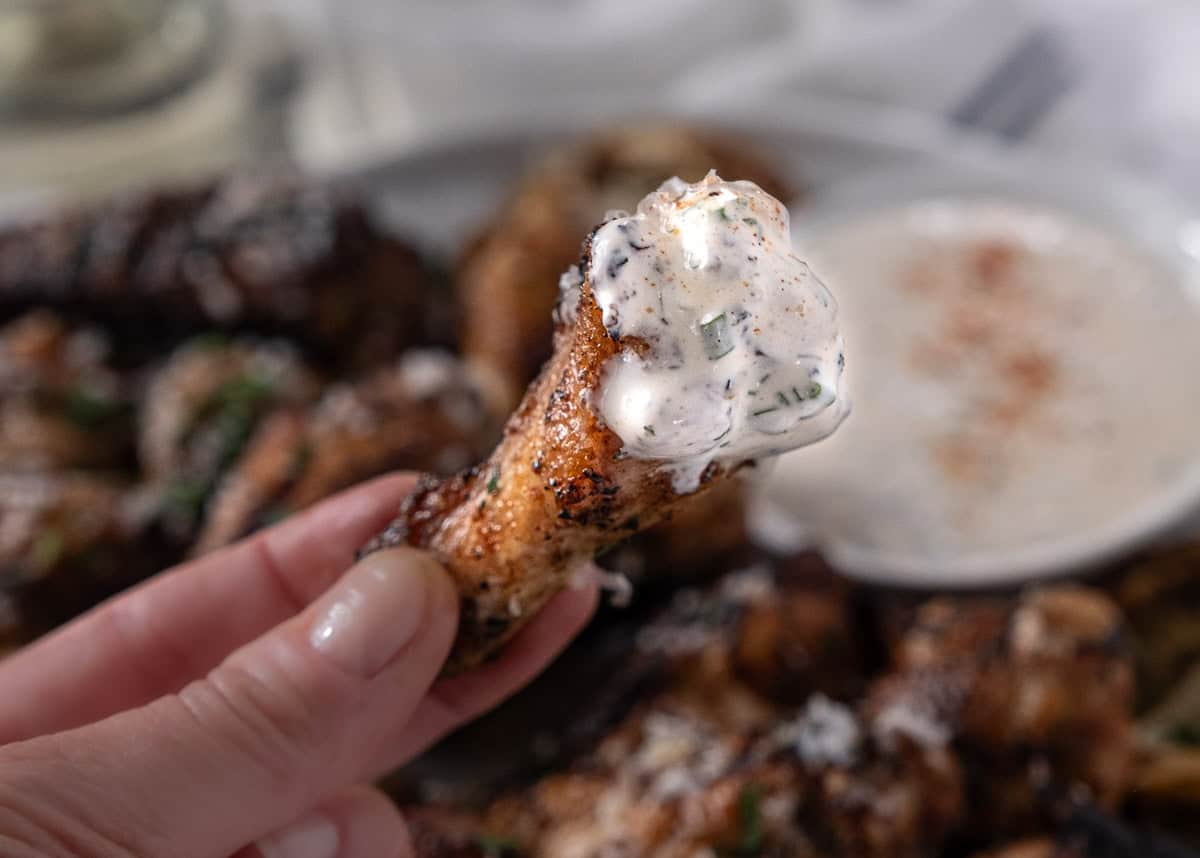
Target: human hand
pixel 245 697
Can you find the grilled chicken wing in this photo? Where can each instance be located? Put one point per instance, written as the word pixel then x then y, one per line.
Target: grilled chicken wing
pixel 61 406
pixel 264 251
pixel 201 409
pixel 425 414
pixel 508 278
pixel 699 294
pixel 67 541
pixel 1036 692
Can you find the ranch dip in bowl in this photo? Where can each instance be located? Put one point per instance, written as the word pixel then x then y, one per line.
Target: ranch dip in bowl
pixel 1026 393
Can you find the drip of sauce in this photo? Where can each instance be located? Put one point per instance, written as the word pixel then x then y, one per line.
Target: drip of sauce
pixel 732 347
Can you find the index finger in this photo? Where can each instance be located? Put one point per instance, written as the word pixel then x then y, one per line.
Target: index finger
pixel 181 624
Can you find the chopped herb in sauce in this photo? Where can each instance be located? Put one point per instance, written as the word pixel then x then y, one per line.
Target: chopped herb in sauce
pixel 707 295
pixel 718 340
pixel 493 484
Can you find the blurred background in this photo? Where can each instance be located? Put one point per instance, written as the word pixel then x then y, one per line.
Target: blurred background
pixel 93 93
pixel 965 625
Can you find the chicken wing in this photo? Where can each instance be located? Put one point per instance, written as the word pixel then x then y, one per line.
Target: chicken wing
pixel 508 278
pixel 263 251
pixel 61 404
pixel 693 342
pixel 425 413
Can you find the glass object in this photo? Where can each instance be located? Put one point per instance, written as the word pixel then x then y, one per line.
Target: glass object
pixel 72 58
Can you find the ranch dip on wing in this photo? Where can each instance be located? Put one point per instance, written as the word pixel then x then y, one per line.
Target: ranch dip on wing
pixel 1020 376
pixel 734 351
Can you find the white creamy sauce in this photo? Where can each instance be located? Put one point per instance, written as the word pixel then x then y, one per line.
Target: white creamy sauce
pixel 732 349
pixel 1019 376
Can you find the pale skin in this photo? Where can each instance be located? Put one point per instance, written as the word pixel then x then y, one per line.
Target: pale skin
pixel 240 704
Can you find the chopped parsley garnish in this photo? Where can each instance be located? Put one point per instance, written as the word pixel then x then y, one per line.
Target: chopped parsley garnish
pixel 236 406
pixel 208 341
pixel 750 821
pixel 47 548
pixel 493 484
pixel 185 498
pixel 496 847
pixel 718 340
pixel 88 409
pixel 648 429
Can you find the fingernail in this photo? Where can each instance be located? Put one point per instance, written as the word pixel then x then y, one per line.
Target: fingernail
pixel 377 608
pixel 313 836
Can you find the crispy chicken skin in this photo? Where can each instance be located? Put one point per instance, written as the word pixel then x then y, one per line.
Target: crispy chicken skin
pixel 917 765
pixel 67 541
pixel 201 409
pixel 708 765
pixel 424 413
pixel 61 405
pixel 1159 593
pixel 1037 693
pixel 554 492
pixel 261 250
pixel 508 278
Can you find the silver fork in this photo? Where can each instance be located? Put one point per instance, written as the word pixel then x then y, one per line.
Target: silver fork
pixel 1022 89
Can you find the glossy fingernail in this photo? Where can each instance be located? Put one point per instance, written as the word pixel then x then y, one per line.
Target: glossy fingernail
pixel 313 836
pixel 377 608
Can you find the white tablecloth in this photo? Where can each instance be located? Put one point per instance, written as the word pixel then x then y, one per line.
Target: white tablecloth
pixel 393 73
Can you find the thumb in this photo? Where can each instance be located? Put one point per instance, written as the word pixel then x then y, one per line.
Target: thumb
pixel 358 823
pixel 283 723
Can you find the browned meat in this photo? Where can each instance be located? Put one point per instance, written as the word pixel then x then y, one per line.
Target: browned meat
pixel 802 638
pixel 508 279
pixel 1037 694
pixel 706 765
pixel 61 406
pixel 1166 791
pixel 894 802
pixel 443 833
pixel 1159 595
pixel 263 250
pixel 201 409
pixel 1036 848
pixel 423 414
pixel 670 554
pixel 66 543
pixel 555 491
